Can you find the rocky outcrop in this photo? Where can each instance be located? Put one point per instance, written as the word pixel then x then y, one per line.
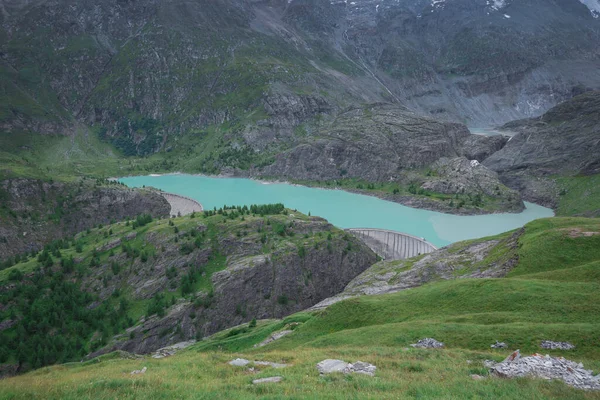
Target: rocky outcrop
pixel 564 141
pixel 461 176
pixel 35 212
pixel 459 260
pixel 375 143
pixel 479 147
pixel 331 366
pixel 538 366
pixel 428 343
pixel 255 281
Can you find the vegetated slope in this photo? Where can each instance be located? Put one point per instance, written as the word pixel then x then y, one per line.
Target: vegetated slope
pixel 551 293
pixel 169 280
pixel 250 87
pixel 148 70
pixel 243 79
pixel 563 142
pixel 35 212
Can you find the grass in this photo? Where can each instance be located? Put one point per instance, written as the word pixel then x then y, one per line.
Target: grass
pixel 553 293
pixel 579 196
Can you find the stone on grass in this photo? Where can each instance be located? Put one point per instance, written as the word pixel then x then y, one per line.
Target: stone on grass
pixel 330 366
pixel 272 379
pixel 499 345
pixel 139 371
pixel 360 367
pixel 428 343
pixel 550 345
pixel 546 367
pixel 476 377
pixel 273 337
pixel 239 362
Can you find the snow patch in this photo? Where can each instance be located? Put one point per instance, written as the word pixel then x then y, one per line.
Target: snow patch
pixel 594 6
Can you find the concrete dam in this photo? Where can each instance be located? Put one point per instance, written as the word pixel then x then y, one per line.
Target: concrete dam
pixel 392 245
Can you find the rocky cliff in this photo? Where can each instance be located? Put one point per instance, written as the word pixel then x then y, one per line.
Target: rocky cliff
pixel 35 212
pixel 564 141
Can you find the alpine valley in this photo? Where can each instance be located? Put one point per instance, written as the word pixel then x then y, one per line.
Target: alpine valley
pixel 464 107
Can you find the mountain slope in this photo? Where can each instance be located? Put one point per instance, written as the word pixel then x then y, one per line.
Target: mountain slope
pixel 536 303
pixel 157 282
pixel 145 72
pixel 564 142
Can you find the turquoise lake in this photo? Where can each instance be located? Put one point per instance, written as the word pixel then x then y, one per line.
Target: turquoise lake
pixel 343 209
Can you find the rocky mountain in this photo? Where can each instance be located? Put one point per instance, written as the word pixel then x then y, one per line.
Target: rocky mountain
pixel 563 141
pixel 144 73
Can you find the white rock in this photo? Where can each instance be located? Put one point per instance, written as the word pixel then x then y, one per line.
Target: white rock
pixel 328 366
pixel 239 362
pixel 139 371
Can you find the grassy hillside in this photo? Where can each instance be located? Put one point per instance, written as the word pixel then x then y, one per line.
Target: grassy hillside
pixel 71 298
pixel 553 293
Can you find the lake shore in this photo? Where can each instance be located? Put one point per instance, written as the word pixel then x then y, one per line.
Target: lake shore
pixel 412 201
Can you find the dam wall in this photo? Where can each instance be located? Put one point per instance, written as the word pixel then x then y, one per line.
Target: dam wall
pixel 392 245
pixel 181 205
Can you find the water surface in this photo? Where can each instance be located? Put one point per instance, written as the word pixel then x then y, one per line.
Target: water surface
pixel 343 209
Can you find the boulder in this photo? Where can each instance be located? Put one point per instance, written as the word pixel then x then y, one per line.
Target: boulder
pixel 139 371
pixel 550 345
pixel 330 366
pixel 546 367
pixel 428 343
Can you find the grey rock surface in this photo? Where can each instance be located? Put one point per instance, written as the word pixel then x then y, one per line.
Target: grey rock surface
pixel 428 343
pixel 451 262
pixel 139 371
pixel 274 337
pixel 546 367
pixel 82 205
pixel 170 350
pixel 499 345
pixel 331 366
pixel 550 345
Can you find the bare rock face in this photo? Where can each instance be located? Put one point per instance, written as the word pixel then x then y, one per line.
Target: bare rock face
pixel 253 284
pixel 37 212
pixel 373 143
pixel 564 141
pixel 461 176
pixel 451 262
pixel 479 147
